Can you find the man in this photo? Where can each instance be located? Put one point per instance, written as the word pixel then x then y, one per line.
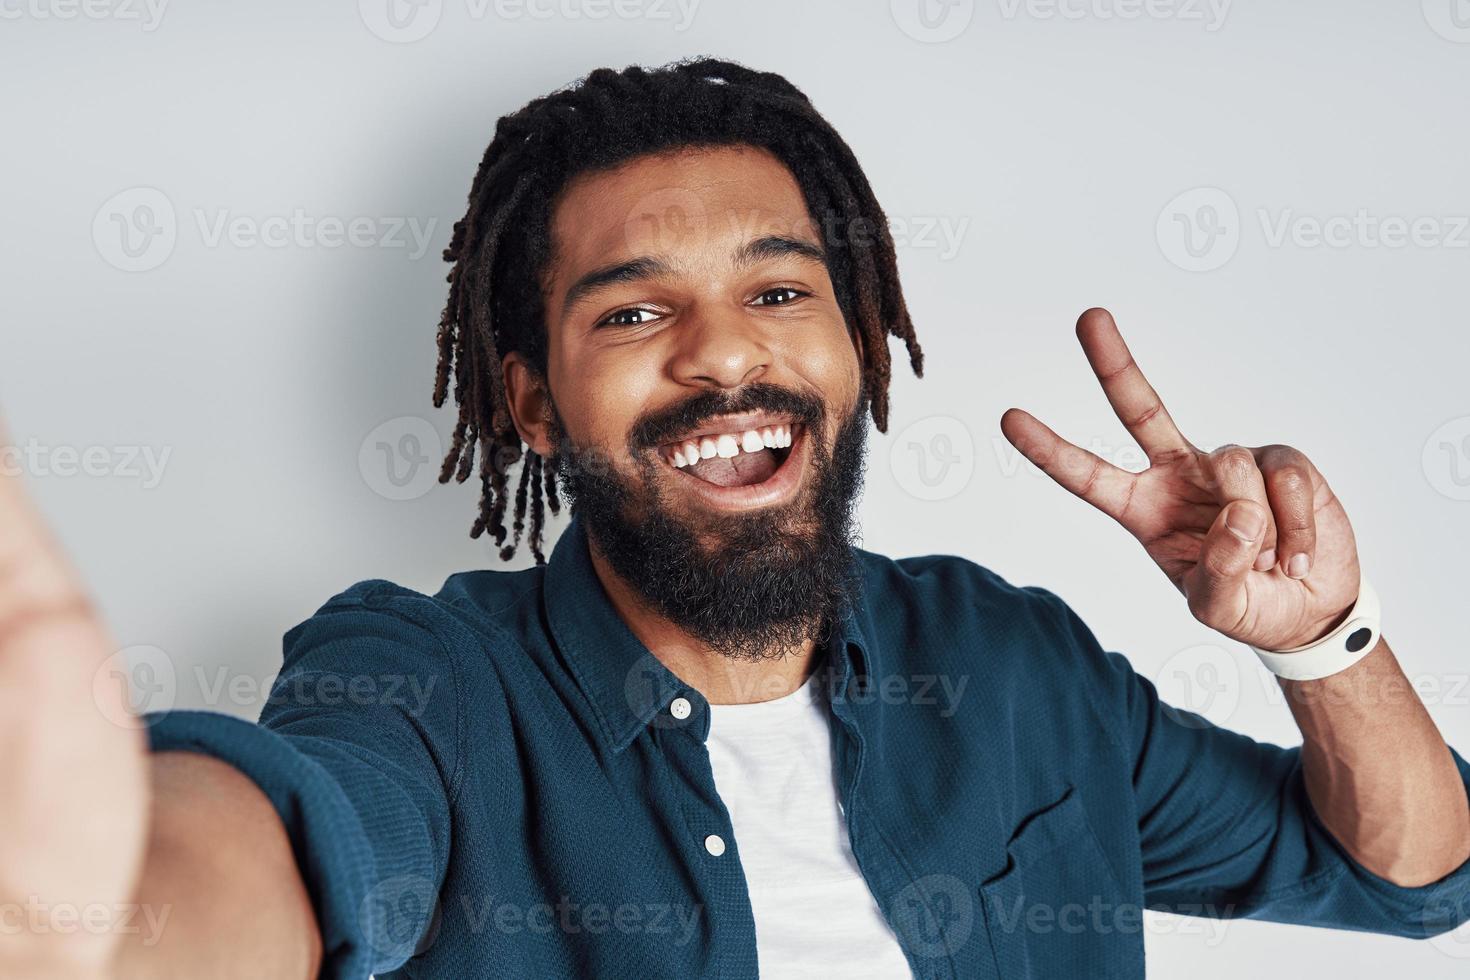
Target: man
pixel 673 750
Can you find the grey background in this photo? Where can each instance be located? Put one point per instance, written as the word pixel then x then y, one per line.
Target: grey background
pixel 1063 149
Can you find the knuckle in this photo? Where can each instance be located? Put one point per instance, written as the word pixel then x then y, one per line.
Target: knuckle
pixel 1219 562
pixel 1279 455
pixel 1233 463
pixel 1293 487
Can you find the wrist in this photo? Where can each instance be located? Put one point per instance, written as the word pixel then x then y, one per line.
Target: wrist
pixel 1350 640
pixel 1322 632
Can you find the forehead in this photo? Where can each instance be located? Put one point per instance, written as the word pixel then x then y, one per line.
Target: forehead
pixel 675 205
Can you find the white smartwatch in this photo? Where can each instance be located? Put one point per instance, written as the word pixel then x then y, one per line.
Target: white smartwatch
pixel 1353 640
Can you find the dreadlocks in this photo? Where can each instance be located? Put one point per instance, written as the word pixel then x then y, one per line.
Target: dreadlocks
pixel 501 247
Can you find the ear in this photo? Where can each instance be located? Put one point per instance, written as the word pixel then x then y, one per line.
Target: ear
pixel 526 397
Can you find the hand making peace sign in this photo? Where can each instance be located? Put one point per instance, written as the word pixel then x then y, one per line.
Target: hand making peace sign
pixel 1254 538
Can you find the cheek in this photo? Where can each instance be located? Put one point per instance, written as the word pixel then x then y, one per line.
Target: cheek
pixel 826 358
pixel 601 395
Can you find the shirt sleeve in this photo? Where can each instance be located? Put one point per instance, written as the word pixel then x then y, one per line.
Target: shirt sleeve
pixel 1226 827
pixel 358 750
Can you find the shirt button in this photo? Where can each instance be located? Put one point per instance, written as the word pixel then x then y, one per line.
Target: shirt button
pixel 715 844
pixel 680 709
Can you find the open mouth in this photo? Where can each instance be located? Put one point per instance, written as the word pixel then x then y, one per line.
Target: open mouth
pixel 740 462
pixel 733 459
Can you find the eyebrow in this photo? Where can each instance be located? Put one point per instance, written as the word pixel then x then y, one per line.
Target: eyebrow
pixel 647 267
pixel 778 246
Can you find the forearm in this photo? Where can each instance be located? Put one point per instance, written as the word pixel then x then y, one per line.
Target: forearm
pixel 1379 773
pixel 220 895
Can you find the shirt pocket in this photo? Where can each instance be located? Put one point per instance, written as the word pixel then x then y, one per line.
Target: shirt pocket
pixel 1057 911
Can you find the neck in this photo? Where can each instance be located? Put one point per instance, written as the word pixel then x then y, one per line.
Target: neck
pixel 720 679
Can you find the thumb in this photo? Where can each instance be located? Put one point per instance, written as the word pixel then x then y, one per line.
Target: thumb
pixel 1215 587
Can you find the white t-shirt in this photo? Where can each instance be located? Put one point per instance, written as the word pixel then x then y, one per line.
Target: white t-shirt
pixel 814 914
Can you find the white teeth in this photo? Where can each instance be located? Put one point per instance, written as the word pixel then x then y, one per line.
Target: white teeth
pixel 729 445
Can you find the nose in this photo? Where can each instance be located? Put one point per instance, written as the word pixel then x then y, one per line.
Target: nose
pixel 719 351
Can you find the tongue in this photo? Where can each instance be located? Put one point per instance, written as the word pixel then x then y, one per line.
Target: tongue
pixel 737 471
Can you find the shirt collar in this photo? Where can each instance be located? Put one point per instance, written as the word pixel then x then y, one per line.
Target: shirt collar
pixel 626 685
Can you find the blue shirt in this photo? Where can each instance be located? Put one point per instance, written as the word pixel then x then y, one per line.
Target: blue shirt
pixel 489 782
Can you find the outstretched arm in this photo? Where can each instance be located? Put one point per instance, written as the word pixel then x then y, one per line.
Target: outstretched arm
pixel 112 864
pixel 1263 551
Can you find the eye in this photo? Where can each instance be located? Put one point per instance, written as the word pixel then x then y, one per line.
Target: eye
pixel 633 316
pixel 779 296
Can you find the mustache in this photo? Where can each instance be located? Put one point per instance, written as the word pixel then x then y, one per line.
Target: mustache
pixel 667 424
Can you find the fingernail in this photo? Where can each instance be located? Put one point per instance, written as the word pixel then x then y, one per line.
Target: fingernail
pixel 1246 523
pixel 1299 565
pixel 1266 559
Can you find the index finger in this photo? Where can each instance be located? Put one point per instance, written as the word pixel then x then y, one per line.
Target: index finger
pixel 1134 400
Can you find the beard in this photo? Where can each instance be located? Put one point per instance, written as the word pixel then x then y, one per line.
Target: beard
pixel 749 586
